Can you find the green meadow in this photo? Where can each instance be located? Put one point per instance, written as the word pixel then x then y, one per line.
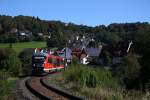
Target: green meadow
pixel 20 46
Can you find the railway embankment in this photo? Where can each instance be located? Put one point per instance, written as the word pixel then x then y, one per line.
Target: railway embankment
pixel 58 88
pixel 86 82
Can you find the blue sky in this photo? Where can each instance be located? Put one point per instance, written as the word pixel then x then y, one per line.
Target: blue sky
pixel 87 12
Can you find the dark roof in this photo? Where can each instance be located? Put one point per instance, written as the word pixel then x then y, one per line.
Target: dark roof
pixel 93 51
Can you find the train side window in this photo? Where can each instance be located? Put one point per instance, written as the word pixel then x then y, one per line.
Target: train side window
pixel 50 60
pixel 54 60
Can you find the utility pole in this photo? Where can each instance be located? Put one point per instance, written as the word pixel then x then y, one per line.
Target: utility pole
pixel 66 51
pixel 129 46
pixel 66 55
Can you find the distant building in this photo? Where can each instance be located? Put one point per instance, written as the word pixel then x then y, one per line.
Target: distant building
pixel 66 53
pixel 40 34
pixel 24 35
pixel 14 30
pixel 93 52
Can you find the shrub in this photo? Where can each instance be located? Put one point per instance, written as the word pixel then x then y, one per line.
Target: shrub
pixel 26 59
pixel 4 53
pixel 14 65
pixel 90 77
pixel 129 71
pixel 9 67
pixel 96 83
pixel 6 89
pixel 9 61
pixel 24 39
pixel 4 75
pixel 8 38
pixel 39 38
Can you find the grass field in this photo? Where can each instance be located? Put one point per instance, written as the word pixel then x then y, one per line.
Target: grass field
pixel 20 46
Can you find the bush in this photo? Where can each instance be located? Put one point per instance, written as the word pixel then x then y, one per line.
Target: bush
pixel 6 89
pixel 4 54
pixel 39 38
pixel 24 39
pixel 14 65
pixel 52 42
pixel 90 77
pixel 129 71
pixel 26 59
pixel 9 67
pixel 4 75
pixel 8 38
pixel 96 83
pixel 9 61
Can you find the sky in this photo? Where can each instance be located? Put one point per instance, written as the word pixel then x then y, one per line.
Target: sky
pixel 87 12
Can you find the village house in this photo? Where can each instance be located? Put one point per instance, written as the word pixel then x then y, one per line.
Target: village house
pixel 24 35
pixel 14 30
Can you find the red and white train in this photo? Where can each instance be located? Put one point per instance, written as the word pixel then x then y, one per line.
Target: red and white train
pixel 42 61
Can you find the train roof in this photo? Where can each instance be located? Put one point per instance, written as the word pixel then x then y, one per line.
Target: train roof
pixel 53 56
pixel 39 54
pixel 45 54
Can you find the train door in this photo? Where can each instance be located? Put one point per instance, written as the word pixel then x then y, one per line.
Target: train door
pixel 52 62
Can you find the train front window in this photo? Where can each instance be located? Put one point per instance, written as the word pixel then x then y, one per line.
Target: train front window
pixel 52 60
pixel 38 59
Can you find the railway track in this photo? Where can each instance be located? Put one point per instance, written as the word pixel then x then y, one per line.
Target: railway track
pixel 44 92
pixel 22 93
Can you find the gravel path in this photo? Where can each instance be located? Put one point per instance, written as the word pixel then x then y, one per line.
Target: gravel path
pixel 22 93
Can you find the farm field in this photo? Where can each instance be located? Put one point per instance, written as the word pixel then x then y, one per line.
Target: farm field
pixel 20 46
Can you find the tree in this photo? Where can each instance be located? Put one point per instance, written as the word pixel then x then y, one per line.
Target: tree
pixel 52 42
pixel 129 71
pixel 25 57
pixel 143 48
pixel 12 39
pixel 1 29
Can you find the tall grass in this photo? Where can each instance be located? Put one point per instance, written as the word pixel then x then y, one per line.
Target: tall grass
pixel 7 84
pixel 98 84
pixel 95 83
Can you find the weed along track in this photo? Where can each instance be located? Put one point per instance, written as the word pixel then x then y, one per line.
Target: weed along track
pixel 36 86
